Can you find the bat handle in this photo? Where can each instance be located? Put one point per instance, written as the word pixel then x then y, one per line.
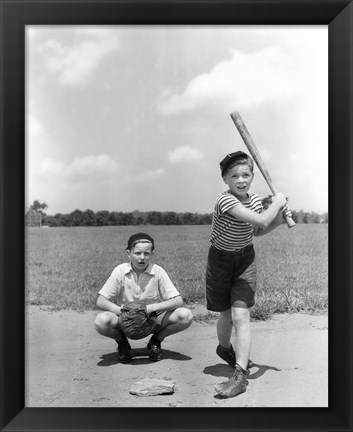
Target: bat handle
pixel 289 220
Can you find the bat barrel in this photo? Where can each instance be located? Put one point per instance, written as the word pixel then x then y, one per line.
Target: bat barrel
pixel 244 133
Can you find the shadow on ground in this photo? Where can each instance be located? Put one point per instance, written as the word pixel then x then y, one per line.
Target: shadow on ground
pixel 223 370
pixel 261 370
pixel 140 356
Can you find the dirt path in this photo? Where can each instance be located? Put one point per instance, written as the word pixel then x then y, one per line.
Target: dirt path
pixel 69 365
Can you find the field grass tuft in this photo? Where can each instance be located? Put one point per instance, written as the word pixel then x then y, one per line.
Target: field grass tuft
pixel 66 267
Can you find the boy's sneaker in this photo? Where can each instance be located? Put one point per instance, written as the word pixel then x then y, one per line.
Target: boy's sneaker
pixel 154 349
pixel 124 350
pixel 228 355
pixel 235 385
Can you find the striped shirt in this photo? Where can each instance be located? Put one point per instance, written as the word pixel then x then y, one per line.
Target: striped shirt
pixel 227 232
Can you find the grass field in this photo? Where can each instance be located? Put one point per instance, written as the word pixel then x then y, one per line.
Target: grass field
pixel 66 267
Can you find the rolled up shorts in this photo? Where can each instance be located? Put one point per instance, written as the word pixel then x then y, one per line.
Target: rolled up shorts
pixel 161 317
pixel 230 279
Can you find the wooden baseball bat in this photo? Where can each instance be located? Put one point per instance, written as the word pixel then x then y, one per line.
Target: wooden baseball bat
pixel 240 125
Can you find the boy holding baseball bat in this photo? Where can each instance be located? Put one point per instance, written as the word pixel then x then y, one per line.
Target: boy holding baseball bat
pixel 231 268
pixel 139 299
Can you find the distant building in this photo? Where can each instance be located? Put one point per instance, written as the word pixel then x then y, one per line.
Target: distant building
pixel 33 218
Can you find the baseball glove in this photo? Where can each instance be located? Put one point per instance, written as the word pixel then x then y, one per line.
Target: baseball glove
pixel 266 202
pixel 135 322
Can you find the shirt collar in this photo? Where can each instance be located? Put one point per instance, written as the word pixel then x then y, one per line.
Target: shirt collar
pixel 150 269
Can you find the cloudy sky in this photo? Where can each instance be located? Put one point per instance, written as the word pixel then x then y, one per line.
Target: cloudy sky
pixel 131 118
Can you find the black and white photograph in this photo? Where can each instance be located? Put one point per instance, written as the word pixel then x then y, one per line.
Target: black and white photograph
pixel 176 192
pixel 176 216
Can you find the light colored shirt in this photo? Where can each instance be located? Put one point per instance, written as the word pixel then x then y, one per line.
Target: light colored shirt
pixel 227 232
pixel 151 286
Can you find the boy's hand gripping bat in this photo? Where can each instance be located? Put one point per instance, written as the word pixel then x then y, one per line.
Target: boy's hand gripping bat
pixel 238 121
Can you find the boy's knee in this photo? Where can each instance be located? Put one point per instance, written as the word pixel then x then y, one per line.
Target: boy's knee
pixel 240 315
pixel 98 323
pixel 185 316
pixel 103 321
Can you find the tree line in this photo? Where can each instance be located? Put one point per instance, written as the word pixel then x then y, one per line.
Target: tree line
pixel 104 218
pixel 107 218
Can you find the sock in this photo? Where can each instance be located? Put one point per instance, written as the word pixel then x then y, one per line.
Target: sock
pixel 122 342
pixel 241 369
pixel 228 348
pixel 155 341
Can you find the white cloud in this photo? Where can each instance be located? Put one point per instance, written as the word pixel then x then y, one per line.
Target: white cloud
pixel 248 79
pixel 52 167
pixel 75 64
pixel 147 176
pixel 64 187
pixel 34 127
pixel 242 81
pixel 101 165
pixel 184 154
pixel 82 168
pixel 155 173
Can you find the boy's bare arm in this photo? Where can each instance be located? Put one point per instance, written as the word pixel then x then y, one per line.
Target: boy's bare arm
pixel 260 220
pixel 279 220
pixel 166 305
pixel 107 305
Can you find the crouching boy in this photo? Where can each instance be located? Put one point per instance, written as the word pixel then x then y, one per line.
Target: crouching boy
pixel 140 281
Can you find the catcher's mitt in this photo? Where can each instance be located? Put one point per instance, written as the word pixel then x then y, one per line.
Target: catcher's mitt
pixel 135 322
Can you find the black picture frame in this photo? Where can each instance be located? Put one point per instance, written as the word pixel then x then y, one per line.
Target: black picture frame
pixel 15 15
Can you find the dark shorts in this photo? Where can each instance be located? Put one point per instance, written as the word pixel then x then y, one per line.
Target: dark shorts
pixel 162 320
pixel 230 279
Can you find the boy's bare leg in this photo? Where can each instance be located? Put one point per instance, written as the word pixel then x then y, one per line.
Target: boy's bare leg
pixel 177 321
pixel 106 324
pixel 224 328
pixel 241 321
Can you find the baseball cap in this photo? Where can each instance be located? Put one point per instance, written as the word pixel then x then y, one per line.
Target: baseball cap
pixel 230 158
pixel 139 236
